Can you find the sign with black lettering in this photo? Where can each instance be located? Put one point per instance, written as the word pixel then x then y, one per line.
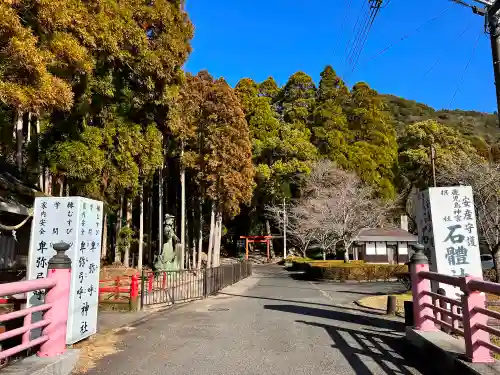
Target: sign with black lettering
pixel 77 221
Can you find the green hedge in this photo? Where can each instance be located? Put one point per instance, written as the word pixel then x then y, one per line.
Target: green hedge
pixel 302 264
pixel 354 271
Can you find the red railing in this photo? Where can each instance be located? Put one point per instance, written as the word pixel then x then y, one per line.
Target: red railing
pixel 466 316
pixel 128 285
pixel 53 339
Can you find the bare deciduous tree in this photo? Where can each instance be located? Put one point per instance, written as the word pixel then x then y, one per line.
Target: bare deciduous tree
pixel 484 179
pixel 335 205
pixel 299 235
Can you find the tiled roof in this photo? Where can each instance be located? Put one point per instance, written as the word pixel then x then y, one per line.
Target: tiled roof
pixel 385 234
pixel 16 195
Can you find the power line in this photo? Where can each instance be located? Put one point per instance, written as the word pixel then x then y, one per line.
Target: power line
pixel 451 43
pixel 349 3
pixel 375 10
pixel 355 34
pixel 360 35
pixel 465 70
pixel 404 37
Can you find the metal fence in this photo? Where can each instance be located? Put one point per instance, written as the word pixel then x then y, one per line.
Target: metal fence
pixel 169 287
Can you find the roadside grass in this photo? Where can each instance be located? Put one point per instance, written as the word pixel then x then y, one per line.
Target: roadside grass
pixel 380 302
pixel 96 347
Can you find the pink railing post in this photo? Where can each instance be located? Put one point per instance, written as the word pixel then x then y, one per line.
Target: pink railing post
pixel 420 287
pixel 59 268
pixel 474 336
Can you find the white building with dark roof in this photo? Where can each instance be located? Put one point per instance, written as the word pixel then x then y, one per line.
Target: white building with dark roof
pixel 380 245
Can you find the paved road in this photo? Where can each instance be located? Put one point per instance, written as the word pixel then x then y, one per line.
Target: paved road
pixel 269 324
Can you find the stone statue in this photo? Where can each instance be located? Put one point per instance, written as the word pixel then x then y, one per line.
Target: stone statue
pixel 167 259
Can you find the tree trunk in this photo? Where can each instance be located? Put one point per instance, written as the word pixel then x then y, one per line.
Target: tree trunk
pixel 141 229
pixel 40 169
pixel 19 139
pixel 192 236
pixel 104 243
pixel 193 253
pixel 160 209
pixel 61 186
pixel 200 233
pixel 324 254
pixel 211 237
pixel 48 182
pixel 495 253
pixel 150 223
pixel 271 247
pixel 126 255
pixel 216 237
pixel 183 212
pixel 217 241
pixel 28 136
pixel 119 222
pixel 346 253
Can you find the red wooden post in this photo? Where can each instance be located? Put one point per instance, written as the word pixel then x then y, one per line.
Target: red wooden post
pixel 117 287
pixel 59 268
pixel 150 282
pixel 268 255
pixel 246 248
pixel 134 292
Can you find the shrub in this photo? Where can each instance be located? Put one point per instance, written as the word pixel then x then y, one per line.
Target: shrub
pixel 354 271
pixel 334 262
pixel 490 275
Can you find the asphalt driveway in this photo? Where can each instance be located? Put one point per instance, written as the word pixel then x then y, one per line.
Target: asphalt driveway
pixel 271 323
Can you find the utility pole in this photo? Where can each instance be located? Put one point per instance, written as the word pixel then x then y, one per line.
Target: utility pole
pixel 491 12
pixel 433 163
pixel 492 19
pixel 284 229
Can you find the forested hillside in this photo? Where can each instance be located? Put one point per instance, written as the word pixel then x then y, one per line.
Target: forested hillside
pixel 472 124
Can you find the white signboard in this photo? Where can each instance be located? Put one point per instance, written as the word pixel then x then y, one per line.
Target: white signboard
pixel 447 228
pixel 424 224
pixel 77 221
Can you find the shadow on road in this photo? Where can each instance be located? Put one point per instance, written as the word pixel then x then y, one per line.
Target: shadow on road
pixel 364 293
pixel 365 351
pixel 371 312
pixel 283 286
pixel 341 316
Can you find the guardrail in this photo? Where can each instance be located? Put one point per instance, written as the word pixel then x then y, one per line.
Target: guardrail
pixel 124 290
pixel 466 317
pixel 169 287
pixel 52 341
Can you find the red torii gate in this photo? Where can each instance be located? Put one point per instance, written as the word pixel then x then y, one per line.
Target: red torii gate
pixel 258 239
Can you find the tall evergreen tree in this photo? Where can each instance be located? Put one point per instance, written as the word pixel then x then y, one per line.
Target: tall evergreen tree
pixel 295 102
pixel 372 140
pixel 330 126
pixel 269 88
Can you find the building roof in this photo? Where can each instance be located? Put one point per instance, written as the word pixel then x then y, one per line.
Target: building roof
pixel 385 235
pixel 16 194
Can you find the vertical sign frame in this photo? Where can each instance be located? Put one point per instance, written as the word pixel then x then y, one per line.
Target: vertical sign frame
pixel 57 219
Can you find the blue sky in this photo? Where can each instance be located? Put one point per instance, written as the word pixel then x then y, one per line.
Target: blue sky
pixel 262 38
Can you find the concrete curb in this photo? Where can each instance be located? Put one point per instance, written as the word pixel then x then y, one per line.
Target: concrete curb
pixel 447 351
pixel 60 365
